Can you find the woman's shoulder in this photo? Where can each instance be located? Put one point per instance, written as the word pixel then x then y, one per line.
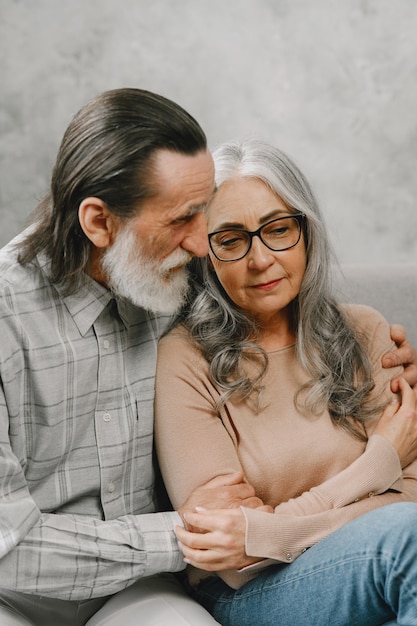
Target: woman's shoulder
pixel 362 312
pixel 178 338
pixel 180 354
pixel 177 334
pixel 364 318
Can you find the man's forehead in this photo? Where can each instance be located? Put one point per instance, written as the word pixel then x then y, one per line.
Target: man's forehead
pixel 169 166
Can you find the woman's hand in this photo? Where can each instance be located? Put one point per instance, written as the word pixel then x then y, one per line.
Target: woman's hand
pixel 404 355
pixel 220 544
pixel 398 424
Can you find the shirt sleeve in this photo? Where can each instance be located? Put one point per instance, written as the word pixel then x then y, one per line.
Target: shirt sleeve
pixel 76 557
pixel 70 555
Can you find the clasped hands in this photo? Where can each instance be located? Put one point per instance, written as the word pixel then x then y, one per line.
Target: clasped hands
pixel 215 527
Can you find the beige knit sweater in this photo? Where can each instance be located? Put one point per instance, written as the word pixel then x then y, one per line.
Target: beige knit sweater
pixel 317 476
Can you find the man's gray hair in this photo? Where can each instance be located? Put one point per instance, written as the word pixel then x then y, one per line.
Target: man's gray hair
pixel 107 152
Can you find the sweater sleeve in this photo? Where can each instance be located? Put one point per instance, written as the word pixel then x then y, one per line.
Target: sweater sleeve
pixel 374 472
pixel 277 537
pixel 192 443
pixel 285 537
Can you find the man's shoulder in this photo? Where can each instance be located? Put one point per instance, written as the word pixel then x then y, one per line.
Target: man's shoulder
pixel 18 280
pixel 11 271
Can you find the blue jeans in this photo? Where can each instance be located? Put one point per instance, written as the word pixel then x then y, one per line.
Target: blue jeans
pixel 364 573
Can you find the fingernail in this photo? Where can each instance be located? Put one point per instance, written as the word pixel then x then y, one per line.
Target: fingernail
pixel 187 561
pixel 199 509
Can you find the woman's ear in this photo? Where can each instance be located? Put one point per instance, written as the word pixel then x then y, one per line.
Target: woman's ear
pixel 97 222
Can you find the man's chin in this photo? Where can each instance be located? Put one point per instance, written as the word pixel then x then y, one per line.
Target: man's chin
pixel 168 303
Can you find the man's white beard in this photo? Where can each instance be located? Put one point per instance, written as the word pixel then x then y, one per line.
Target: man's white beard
pixel 145 282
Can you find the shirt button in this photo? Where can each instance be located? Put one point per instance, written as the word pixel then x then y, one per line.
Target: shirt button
pixel 106 344
pixel 289 556
pixel 111 487
pixel 107 417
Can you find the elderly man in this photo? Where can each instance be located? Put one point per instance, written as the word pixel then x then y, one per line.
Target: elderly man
pixel 86 291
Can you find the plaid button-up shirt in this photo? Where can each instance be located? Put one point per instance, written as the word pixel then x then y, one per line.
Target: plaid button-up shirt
pixel 77 506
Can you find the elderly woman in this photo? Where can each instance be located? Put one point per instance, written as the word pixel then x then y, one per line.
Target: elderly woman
pixel 269 375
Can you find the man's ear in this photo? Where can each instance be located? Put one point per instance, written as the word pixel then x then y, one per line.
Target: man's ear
pixel 97 222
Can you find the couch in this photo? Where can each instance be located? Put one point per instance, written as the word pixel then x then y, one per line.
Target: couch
pixel 392 289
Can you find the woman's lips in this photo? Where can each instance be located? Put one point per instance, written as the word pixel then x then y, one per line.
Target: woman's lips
pixel 267 286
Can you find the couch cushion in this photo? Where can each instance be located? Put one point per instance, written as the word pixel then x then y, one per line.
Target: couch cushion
pixel 391 289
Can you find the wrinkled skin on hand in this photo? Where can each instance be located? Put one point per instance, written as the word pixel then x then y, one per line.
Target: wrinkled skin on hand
pixel 405 355
pixel 398 424
pixel 222 492
pixel 220 543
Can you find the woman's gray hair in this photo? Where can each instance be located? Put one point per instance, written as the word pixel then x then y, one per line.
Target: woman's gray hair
pixel 326 344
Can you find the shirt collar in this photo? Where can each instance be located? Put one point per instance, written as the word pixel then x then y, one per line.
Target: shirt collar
pixel 87 303
pixel 130 313
pixel 90 300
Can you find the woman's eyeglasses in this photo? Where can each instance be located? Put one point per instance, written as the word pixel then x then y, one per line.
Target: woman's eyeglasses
pixel 233 244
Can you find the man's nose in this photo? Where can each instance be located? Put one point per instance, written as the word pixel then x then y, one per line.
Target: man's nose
pixel 196 239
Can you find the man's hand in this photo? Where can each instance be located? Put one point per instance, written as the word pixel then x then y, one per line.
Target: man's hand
pixel 398 424
pixel 404 355
pixel 223 492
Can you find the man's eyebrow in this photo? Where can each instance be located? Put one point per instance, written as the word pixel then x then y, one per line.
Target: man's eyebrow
pixel 196 208
pixel 192 210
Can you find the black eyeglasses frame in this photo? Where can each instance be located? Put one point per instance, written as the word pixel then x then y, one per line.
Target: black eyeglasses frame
pixel 258 233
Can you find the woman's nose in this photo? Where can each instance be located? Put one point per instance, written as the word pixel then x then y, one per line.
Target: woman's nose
pixel 259 255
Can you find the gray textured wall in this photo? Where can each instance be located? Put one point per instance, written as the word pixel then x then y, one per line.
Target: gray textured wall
pixel 333 82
